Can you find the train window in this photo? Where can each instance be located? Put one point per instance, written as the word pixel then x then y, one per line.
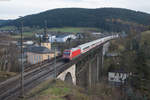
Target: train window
pixel 67 53
pixel 86 48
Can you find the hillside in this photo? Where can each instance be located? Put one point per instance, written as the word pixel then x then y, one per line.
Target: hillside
pixel 4 21
pixel 110 19
pixel 59 90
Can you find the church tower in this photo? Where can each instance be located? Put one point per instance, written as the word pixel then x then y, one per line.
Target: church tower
pixel 45 40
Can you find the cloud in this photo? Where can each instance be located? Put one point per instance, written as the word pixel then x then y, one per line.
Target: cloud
pixel 15 8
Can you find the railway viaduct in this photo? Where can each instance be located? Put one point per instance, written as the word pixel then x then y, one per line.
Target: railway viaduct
pixel 86 70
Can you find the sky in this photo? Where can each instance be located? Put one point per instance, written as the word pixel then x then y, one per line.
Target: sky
pixel 12 9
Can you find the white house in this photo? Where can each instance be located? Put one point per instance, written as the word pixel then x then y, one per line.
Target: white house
pixel 58 38
pixel 38 35
pixel 96 33
pixel 117 77
pixel 28 43
pixel 52 38
pixel 64 37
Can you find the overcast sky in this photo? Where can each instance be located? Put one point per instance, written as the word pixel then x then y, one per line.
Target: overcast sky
pixel 11 9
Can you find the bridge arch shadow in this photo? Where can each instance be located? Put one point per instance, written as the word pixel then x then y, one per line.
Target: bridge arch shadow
pixel 68 78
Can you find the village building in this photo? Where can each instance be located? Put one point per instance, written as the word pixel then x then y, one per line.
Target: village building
pixel 36 54
pixel 58 38
pixel 64 37
pixel 117 77
pixel 39 53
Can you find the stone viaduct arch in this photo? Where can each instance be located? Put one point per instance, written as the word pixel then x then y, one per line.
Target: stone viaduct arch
pixel 68 78
pixel 69 75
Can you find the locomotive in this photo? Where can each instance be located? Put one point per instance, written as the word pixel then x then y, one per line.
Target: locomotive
pixel 72 53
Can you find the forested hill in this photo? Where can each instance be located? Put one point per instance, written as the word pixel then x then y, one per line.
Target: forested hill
pixel 113 19
pixel 4 21
pixel 1 21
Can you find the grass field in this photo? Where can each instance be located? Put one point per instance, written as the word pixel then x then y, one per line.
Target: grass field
pixel 59 90
pixel 70 29
pixel 64 29
pixel 8 28
pixel 25 35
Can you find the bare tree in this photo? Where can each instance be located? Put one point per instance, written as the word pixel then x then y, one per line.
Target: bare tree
pixel 8 55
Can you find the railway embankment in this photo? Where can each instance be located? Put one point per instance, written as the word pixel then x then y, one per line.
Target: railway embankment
pixel 56 90
pixel 6 75
pixel 59 90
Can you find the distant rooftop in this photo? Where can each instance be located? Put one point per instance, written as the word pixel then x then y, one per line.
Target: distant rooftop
pixel 38 49
pixel 62 35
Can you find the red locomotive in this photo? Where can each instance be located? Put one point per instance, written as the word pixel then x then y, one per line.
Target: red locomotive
pixel 72 53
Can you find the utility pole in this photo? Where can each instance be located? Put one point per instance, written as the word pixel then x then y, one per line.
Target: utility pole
pixel 22 67
pixel 55 62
